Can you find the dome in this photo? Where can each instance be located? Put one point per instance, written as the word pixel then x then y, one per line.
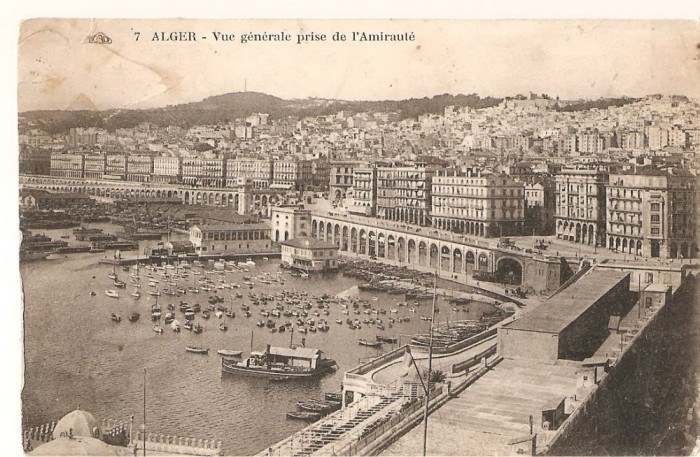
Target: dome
pixel 79 446
pixel 82 423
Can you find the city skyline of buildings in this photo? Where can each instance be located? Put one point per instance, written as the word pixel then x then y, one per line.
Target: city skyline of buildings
pixel 522 167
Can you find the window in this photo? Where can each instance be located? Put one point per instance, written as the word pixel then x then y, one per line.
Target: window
pixel 655 218
pixel 654 230
pixel 655 206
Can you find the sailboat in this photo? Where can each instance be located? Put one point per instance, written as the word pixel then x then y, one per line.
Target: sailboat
pixel 113 274
pixel 136 294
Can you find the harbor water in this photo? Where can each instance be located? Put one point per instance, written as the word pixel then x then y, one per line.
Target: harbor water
pixel 76 356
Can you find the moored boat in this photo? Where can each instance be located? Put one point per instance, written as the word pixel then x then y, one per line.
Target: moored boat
pixel 304 415
pixel 112 293
pixel 282 362
pixel 312 407
pixel 372 344
pixel 333 396
pixel 229 353
pixel 116 317
pixel 197 350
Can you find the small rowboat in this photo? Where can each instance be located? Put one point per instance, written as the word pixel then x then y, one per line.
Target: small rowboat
pixel 158 329
pixel 312 407
pixel 227 353
pixel 305 416
pixel 111 293
pixel 372 344
pixel 333 396
pixel 197 350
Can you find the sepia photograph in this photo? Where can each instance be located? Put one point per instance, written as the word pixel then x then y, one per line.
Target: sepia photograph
pixel 294 237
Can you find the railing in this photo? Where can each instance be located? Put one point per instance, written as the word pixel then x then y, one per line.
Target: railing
pixel 462 344
pixel 176 444
pixel 366 439
pixel 467 364
pixel 42 433
pixel 377 362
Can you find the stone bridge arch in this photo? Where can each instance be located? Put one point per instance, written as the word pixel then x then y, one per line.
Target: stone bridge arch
pixel 509 270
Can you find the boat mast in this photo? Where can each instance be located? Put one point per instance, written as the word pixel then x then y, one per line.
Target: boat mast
pixel 144 411
pixel 430 367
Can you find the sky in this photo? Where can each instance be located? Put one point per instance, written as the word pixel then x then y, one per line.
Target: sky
pixel 568 58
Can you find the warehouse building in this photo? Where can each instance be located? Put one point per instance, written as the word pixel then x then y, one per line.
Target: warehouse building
pixel 572 324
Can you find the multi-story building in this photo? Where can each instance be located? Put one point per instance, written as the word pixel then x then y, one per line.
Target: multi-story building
pixel 95 166
pixel 80 136
pixel 258 171
pixel 403 194
pixel 652 213
pixel 341 179
pixel 657 138
pixel 202 172
pixel 482 204
pixel 364 191
pixel 139 168
pixel 67 165
pixel 292 173
pixel 580 205
pixel 320 174
pixel 290 222
pixel 631 139
pixel 115 167
pixel 589 142
pixel 309 254
pixel 540 207
pixel 678 137
pixel 231 237
pixel 35 162
pixel 167 170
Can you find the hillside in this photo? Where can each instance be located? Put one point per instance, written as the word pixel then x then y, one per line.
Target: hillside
pixel 225 108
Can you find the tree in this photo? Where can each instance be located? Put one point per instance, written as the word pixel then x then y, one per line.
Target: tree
pixel 437 376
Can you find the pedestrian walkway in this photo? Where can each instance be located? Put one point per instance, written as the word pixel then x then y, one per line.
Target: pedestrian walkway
pixel 493 410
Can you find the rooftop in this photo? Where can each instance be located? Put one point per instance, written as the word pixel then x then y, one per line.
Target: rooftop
pixel 304 242
pixel 217 225
pixel 559 311
pixel 299 352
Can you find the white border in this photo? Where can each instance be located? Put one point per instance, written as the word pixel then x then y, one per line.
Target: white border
pixel 10 331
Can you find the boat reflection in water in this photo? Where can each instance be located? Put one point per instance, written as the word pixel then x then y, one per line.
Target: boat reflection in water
pixel 281 362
